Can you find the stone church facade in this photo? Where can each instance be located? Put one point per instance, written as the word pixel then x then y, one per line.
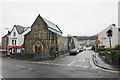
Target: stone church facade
pixel 42 38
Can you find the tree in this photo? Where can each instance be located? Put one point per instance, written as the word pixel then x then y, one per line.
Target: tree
pixel 109 34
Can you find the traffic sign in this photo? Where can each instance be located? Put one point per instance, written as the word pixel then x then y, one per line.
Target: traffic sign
pixel 58 42
pixel 97 41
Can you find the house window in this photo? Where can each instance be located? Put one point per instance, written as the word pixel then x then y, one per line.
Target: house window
pixel 14 34
pixel 15 42
pixel 52 37
pixel 12 42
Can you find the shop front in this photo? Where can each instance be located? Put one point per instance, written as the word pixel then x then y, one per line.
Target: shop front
pixel 14 49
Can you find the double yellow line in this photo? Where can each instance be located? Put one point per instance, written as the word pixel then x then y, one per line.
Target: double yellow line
pixel 108 70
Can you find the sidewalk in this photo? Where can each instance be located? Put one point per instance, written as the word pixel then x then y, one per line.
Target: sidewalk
pixel 100 63
pixel 61 56
pixel 31 60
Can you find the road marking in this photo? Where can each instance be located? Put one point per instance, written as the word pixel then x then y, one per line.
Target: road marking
pixel 85 66
pixel 62 64
pixel 93 65
pixel 54 64
pixel 76 66
pixel 82 60
pixel 21 66
pixel 30 69
pixel 57 64
pixel 71 63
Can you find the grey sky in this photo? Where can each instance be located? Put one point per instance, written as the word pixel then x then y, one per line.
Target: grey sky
pixel 75 17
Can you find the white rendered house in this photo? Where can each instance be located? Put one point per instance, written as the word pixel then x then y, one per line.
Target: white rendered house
pixel 102 36
pixel 16 39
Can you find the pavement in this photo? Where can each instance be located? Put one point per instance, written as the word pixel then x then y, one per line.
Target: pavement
pixel 100 63
pixel 61 56
pixel 38 61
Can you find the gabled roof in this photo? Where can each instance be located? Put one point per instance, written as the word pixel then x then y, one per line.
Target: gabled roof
pixel 20 29
pixel 108 28
pixel 52 26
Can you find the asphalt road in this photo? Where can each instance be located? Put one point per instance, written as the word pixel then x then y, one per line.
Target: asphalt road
pixel 72 66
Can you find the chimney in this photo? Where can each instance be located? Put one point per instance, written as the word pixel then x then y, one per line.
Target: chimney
pixel 113 25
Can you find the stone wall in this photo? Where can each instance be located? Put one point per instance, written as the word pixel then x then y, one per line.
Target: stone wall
pixel 110 59
pixel 39 33
pixel 62 43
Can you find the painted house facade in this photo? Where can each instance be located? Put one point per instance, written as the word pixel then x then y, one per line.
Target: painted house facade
pixel 102 36
pixel 42 37
pixel 15 39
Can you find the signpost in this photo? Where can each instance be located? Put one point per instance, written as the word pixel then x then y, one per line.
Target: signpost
pixel 96 43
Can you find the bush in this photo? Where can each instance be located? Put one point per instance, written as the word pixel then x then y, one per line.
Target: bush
pixel 116 55
pixel 118 51
pixel 109 49
pixel 113 51
pixel 104 52
pixel 24 56
pixel 28 53
pixel 101 47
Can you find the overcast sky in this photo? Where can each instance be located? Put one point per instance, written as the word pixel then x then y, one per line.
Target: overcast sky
pixel 75 17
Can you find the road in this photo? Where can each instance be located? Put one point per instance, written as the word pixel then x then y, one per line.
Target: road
pixel 72 66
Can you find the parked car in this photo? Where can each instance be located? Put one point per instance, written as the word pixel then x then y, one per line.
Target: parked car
pixel 80 49
pixel 74 51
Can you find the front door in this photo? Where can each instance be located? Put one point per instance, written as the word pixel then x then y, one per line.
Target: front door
pixel 38 47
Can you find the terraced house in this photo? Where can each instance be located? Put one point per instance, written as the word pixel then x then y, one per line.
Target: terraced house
pixel 43 37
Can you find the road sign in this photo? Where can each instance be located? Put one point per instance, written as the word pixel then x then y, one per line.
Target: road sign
pixel 58 42
pixel 101 42
pixel 97 41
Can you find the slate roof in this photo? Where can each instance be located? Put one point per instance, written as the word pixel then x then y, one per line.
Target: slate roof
pixel 52 26
pixel 21 29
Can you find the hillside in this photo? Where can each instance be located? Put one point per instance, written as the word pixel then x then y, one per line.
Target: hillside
pixel 81 38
